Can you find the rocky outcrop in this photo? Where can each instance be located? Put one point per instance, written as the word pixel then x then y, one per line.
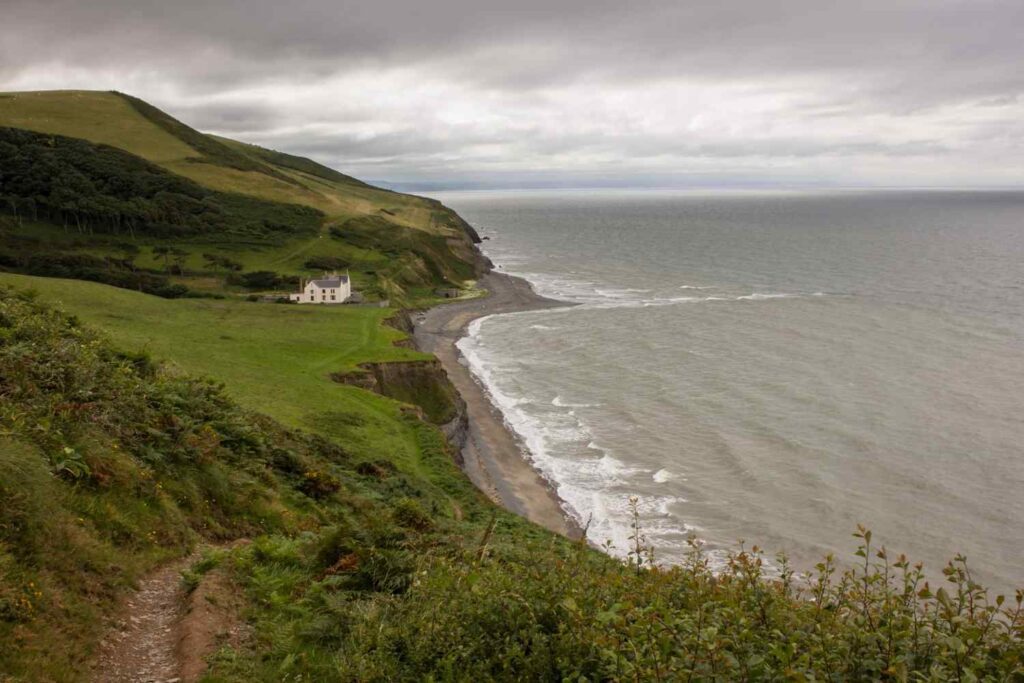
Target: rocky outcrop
pixel 474 236
pixel 456 431
pixel 468 250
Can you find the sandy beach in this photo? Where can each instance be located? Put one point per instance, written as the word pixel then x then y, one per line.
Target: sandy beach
pixel 495 459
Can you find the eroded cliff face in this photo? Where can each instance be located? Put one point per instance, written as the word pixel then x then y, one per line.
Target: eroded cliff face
pixel 421 383
pixel 424 384
pixel 401 321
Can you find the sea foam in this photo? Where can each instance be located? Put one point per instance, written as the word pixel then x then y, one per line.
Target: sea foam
pixel 593 484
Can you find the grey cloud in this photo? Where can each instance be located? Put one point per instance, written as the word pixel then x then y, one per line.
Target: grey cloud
pixel 909 47
pixel 483 84
pixel 228 118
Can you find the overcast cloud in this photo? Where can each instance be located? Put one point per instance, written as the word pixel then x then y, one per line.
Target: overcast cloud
pixel 573 92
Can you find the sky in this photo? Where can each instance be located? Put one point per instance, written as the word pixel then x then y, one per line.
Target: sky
pixel 581 93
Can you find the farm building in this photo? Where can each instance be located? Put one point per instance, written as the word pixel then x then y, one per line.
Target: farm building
pixel 330 289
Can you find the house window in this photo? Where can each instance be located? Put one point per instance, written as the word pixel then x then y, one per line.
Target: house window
pixel 332 297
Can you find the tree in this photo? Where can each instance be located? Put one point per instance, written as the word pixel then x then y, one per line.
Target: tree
pixel 179 256
pixel 260 279
pixel 128 251
pixel 216 261
pixel 165 252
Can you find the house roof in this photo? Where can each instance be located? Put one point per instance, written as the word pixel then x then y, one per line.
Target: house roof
pixel 330 282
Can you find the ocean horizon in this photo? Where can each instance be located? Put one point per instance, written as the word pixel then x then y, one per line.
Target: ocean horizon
pixel 772 367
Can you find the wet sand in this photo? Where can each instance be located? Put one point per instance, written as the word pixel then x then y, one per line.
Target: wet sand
pixel 495 459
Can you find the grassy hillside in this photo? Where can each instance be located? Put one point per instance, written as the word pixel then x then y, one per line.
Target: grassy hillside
pixel 373 558
pixel 111 463
pixel 132 125
pixel 94 116
pixel 434 247
pixel 276 360
pixel 292 162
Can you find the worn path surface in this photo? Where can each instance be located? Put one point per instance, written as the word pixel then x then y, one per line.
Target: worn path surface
pixel 165 634
pixel 494 457
pixel 142 647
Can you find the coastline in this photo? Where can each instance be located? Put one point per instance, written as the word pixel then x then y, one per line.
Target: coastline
pixel 493 456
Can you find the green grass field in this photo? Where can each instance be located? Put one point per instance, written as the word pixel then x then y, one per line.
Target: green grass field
pixel 274 359
pixel 99 117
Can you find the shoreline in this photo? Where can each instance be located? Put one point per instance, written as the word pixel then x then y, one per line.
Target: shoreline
pixel 494 457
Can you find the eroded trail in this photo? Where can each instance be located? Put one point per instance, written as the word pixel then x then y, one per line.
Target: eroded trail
pixel 142 647
pixel 166 633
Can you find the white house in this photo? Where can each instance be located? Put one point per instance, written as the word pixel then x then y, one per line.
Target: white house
pixel 330 289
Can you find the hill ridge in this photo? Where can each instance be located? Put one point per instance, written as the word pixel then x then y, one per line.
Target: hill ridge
pixel 211 149
pixel 399 247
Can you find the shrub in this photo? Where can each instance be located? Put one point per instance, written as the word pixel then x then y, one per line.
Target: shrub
pixel 262 279
pixel 326 263
pixel 318 483
pixel 409 513
pixel 87 267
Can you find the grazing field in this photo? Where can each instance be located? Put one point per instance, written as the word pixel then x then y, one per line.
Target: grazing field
pixel 94 116
pixel 274 359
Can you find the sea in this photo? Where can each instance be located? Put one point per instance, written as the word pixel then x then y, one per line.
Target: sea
pixel 768 368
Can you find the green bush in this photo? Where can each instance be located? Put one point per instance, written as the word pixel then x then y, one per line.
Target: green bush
pixel 326 263
pixel 581 618
pixel 262 279
pixel 410 514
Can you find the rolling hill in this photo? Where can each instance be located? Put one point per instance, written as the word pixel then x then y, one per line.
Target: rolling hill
pixel 396 246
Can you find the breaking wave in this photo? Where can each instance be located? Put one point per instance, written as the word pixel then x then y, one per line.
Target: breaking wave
pixel 559 443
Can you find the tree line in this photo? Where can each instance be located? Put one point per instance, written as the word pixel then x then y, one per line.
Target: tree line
pixel 94 188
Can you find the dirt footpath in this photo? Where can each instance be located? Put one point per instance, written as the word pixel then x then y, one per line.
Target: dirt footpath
pixel 165 633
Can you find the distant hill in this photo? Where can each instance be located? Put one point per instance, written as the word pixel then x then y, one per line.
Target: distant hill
pixel 396 246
